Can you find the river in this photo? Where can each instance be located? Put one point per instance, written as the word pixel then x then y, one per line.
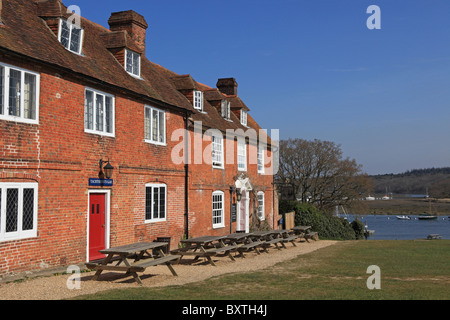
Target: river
pixel 388 227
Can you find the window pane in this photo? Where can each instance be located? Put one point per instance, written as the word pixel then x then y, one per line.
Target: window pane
pixel 155 125
pixel 75 39
pixel 28 209
pixel 162 202
pixel 129 62
pixel 14 92
pixel 109 114
pixel 148 116
pixel 2 88
pixel 65 33
pixel 30 96
pixel 155 203
pixel 136 64
pixel 89 110
pixel 162 132
pixel 148 203
pixel 12 209
pixel 99 110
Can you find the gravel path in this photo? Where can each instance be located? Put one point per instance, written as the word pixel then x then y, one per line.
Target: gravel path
pixel 55 287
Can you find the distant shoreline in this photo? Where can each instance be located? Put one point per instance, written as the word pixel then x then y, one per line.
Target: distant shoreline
pixel 411 206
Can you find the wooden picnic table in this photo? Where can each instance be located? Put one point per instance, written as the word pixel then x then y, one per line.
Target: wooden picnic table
pixel 206 246
pixel 270 237
pixel 301 229
pixel 140 256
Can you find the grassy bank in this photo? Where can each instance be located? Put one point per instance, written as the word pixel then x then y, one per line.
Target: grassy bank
pixel 409 206
pixel 410 270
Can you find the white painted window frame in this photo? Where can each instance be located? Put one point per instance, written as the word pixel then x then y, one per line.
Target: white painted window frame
pixel 5 90
pixel 152 186
pixel 261 164
pixel 241 154
pixel 19 234
pixel 243 117
pixel 71 26
pixel 94 113
pixel 148 135
pixel 132 53
pixel 217 151
pixel 261 207
pixel 198 100
pixel 221 224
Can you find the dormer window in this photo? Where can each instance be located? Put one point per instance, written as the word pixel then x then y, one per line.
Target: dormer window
pixel 133 63
pixel 244 117
pixel 70 36
pixel 198 100
pixel 225 109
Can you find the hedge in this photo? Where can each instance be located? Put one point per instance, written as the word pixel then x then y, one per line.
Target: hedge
pixel 327 226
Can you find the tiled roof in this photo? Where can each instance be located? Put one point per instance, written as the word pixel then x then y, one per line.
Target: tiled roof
pixel 25 33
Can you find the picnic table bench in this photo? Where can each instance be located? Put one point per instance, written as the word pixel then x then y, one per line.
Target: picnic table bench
pixel 312 235
pixel 137 251
pixel 269 237
pixel 301 231
pixel 206 246
pixel 287 236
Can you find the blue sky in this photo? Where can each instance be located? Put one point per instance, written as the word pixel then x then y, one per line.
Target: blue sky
pixel 315 71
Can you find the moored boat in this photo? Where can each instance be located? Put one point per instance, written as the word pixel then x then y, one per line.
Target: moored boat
pixel 427 217
pixel 404 217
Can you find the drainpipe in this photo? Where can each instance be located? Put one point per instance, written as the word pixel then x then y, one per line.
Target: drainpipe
pixel 186 176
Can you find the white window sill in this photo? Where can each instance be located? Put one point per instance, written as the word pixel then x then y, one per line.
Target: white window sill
pixel 99 133
pixel 19 119
pixel 155 143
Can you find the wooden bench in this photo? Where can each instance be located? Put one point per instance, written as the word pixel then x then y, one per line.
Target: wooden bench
pixel 249 246
pixel 154 262
pixel 266 244
pixel 290 239
pixel 312 235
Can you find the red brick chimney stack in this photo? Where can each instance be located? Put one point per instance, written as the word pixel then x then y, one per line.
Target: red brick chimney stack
pixel 227 86
pixel 133 23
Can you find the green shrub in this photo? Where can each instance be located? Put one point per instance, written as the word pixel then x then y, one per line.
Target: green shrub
pixel 327 226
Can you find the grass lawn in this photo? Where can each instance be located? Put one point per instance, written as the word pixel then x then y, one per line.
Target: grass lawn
pixel 410 270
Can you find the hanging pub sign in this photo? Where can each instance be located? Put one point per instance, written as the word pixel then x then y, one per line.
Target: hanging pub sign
pixel 96 182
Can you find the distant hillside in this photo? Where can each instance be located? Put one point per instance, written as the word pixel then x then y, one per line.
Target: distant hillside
pixel 418 181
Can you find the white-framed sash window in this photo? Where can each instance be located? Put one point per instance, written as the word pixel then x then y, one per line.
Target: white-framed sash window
pixel 218 208
pixel 261 151
pixel 217 151
pixel 242 154
pixel 261 205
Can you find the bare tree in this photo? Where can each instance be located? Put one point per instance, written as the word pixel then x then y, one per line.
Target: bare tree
pixel 319 174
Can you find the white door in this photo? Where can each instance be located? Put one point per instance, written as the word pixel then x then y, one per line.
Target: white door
pixel 243 219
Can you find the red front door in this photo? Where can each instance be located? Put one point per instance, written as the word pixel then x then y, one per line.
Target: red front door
pixel 97 204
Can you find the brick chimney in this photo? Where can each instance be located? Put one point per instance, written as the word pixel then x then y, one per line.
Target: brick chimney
pixel 134 24
pixel 227 86
pixel 51 11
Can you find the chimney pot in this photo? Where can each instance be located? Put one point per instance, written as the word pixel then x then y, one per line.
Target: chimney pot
pixel 227 86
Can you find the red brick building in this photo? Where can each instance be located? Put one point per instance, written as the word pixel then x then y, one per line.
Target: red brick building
pixel 76 98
